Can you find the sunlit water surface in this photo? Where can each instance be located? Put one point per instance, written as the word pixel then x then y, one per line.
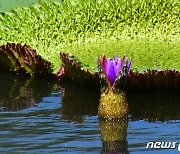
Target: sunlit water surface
pixel 43 116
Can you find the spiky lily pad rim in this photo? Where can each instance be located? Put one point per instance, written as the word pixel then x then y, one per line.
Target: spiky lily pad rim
pixel 23 58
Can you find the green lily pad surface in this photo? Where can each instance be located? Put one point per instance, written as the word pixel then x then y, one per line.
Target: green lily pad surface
pixel 147 31
pixel 6 5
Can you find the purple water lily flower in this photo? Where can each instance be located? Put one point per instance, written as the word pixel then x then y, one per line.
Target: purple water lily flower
pixel 112 67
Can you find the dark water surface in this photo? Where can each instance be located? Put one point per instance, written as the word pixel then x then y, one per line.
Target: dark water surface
pixel 45 116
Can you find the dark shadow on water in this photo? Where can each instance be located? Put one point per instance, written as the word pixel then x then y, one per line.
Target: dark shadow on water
pixel 19 91
pixel 78 101
pixel 154 107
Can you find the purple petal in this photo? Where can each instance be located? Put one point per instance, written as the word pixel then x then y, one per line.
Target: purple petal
pixel 116 58
pixel 128 67
pixel 110 72
pixel 129 64
pixel 117 65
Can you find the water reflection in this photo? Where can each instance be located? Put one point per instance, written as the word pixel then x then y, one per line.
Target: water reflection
pixel 78 101
pixel 153 107
pixel 113 134
pixel 48 130
pixel 19 92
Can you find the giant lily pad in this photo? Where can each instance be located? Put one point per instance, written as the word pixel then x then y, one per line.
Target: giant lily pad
pixel 73 70
pixel 15 57
pixel 146 30
pixel 153 80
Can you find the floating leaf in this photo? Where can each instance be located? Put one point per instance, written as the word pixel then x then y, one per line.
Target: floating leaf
pixel 15 57
pixel 73 70
pixel 153 80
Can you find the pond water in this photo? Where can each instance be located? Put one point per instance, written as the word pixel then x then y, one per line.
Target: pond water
pixel 43 115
